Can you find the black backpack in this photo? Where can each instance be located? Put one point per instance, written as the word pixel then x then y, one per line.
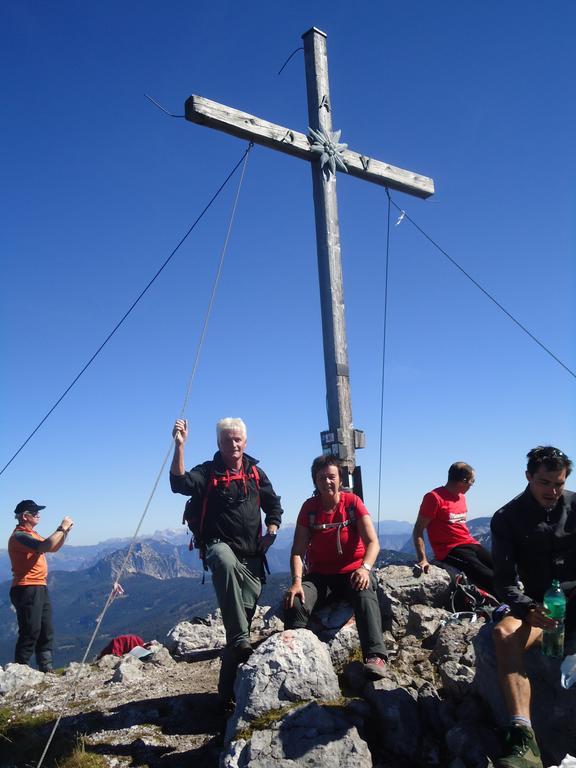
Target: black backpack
pixel 465 597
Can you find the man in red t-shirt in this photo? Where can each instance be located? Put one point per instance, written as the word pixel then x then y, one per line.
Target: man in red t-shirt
pixel 443 514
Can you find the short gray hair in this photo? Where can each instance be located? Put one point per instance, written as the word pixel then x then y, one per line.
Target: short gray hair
pixel 229 423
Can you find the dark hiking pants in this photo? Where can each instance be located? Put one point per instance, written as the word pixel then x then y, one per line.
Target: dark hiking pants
pixel 363 601
pixel 35 633
pixel 475 562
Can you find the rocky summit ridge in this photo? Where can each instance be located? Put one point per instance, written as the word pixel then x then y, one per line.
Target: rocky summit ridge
pixel 302 699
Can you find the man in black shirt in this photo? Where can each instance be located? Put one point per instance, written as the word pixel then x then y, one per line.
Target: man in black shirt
pixel 227 494
pixel 533 542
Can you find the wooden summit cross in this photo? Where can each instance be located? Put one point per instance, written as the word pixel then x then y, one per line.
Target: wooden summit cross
pixel 322 148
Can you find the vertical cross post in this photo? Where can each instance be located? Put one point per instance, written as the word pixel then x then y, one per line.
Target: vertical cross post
pixel 340 439
pixel 336 367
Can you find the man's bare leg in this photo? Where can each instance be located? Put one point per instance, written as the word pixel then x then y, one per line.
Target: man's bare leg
pixel 512 638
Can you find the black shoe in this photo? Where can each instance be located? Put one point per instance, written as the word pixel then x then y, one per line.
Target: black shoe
pixel 243 651
pixel 520 748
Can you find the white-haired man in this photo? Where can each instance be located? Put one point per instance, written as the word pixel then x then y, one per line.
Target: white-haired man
pixel 226 496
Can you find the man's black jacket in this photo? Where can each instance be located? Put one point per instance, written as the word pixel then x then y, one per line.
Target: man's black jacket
pixel 233 510
pixel 535 546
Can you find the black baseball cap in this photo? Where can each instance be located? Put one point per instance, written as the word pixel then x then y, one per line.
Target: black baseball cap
pixel 27 506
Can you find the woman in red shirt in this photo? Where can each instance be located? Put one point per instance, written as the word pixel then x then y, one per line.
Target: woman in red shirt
pixel 335 537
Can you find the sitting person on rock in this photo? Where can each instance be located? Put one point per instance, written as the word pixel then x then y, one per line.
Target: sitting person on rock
pixel 443 515
pixel 534 541
pixel 336 538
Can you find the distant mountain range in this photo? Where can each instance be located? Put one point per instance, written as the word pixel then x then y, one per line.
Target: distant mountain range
pixel 150 607
pixel 162 582
pixel 393 535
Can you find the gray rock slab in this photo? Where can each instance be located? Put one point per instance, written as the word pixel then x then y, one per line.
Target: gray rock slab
pixel 314 735
pixel 345 643
pixel 399 588
pixel 129 670
pixel 292 666
pixel 424 620
pixel 455 657
pixel 109 661
pixel 472 743
pixel 17 676
pixel 160 657
pixel 187 639
pixel 397 710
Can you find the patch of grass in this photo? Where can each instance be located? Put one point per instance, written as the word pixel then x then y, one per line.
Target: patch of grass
pixel 265 720
pixel 82 759
pixel 355 655
pixel 16 722
pixel 23 738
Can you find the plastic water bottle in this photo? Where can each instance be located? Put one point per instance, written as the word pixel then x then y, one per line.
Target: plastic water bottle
pixel 555 604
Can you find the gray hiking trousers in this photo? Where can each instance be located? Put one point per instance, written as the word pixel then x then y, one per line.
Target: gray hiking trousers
pixel 237 588
pixel 364 601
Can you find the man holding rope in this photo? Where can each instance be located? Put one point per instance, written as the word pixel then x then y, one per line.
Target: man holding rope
pixel 29 592
pixel 227 495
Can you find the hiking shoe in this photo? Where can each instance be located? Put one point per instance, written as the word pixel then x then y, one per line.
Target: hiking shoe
pixel 375 667
pixel 520 748
pixel 243 651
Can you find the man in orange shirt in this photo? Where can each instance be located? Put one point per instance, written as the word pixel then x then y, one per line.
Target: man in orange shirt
pixel 29 593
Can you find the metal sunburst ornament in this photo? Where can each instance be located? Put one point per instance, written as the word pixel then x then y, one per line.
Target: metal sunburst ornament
pixel 326 145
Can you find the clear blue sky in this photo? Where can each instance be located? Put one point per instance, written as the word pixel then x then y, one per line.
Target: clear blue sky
pixel 97 186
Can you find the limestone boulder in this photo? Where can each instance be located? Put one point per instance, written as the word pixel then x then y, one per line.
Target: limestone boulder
pixel 190 639
pixel 129 670
pixel 399 722
pixel 424 620
pixel 399 587
pixel 454 656
pixel 290 667
pixel 312 735
pixel 16 676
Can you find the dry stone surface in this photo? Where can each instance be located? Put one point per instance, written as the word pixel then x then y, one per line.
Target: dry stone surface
pixel 313 735
pixel 289 667
pixel 436 707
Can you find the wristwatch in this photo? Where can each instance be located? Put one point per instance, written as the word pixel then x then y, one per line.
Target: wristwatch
pixel 368 567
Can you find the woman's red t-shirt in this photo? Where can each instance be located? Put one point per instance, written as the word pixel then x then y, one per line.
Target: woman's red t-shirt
pixel 322 551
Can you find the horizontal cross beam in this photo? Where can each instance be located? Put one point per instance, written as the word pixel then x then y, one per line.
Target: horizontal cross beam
pixel 245 126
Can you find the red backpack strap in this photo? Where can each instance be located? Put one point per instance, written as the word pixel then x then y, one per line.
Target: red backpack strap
pixel 213 482
pixel 350 520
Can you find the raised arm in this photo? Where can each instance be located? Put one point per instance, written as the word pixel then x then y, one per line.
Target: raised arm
pixel 54 542
pixel 180 435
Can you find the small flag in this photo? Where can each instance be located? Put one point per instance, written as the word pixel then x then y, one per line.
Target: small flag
pixel 117 590
pixel 400 218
